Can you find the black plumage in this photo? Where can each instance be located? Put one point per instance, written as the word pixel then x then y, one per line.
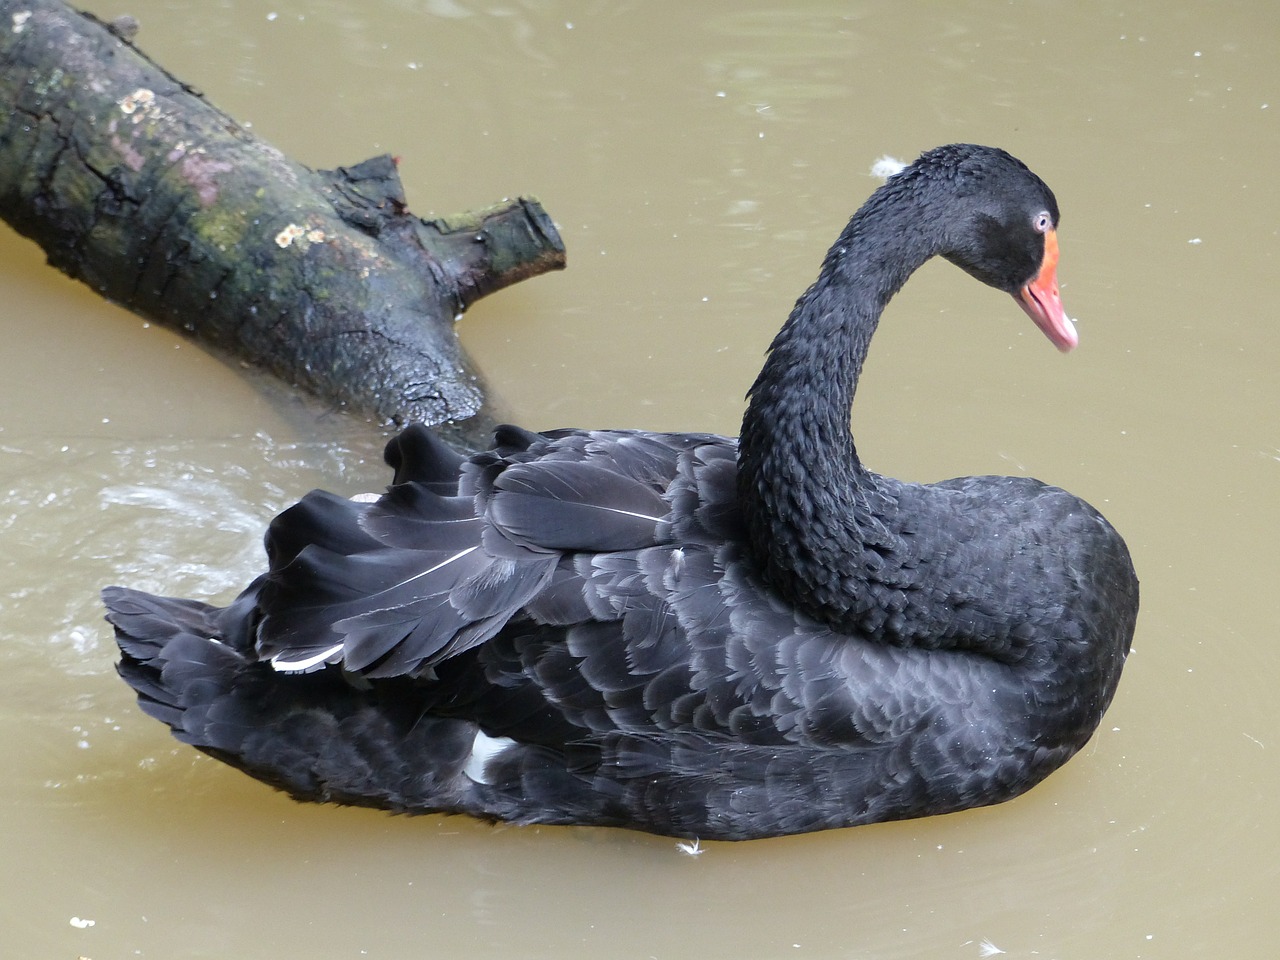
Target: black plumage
pixel 681 633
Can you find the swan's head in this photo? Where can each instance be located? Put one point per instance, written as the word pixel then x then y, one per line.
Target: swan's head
pixel 1001 228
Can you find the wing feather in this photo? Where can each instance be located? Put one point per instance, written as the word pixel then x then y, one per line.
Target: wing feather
pixel 568 505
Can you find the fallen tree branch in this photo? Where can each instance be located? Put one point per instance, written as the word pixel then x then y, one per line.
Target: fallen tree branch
pixel 133 183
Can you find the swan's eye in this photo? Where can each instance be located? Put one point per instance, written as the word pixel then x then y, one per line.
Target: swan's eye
pixel 1042 222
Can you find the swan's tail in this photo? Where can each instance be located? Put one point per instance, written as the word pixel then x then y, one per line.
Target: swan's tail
pixel 315 736
pixel 173 657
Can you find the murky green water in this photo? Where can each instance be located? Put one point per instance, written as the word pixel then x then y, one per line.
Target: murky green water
pixel 699 158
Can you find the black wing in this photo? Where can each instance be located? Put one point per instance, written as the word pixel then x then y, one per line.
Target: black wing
pixel 456 548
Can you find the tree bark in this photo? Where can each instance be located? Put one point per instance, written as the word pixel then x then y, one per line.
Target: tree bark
pixel 133 183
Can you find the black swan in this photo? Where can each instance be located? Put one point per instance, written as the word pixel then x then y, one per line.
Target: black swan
pixel 679 632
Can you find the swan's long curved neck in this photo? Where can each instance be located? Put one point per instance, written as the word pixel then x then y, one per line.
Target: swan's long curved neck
pixel 817 520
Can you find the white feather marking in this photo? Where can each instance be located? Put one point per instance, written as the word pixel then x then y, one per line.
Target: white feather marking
pixel 629 513
pixel 484 749
pixel 282 663
pixel 446 562
pixel 443 563
pixel 366 498
pixel 285 665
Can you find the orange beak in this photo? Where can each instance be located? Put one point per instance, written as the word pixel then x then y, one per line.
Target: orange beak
pixel 1040 300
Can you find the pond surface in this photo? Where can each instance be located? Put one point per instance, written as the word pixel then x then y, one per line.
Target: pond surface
pixel 698 158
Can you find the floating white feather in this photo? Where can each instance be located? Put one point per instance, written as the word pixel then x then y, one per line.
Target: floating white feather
pixel 887 166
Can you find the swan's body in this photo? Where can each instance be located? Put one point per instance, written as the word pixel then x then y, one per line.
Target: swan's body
pixel 677 632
